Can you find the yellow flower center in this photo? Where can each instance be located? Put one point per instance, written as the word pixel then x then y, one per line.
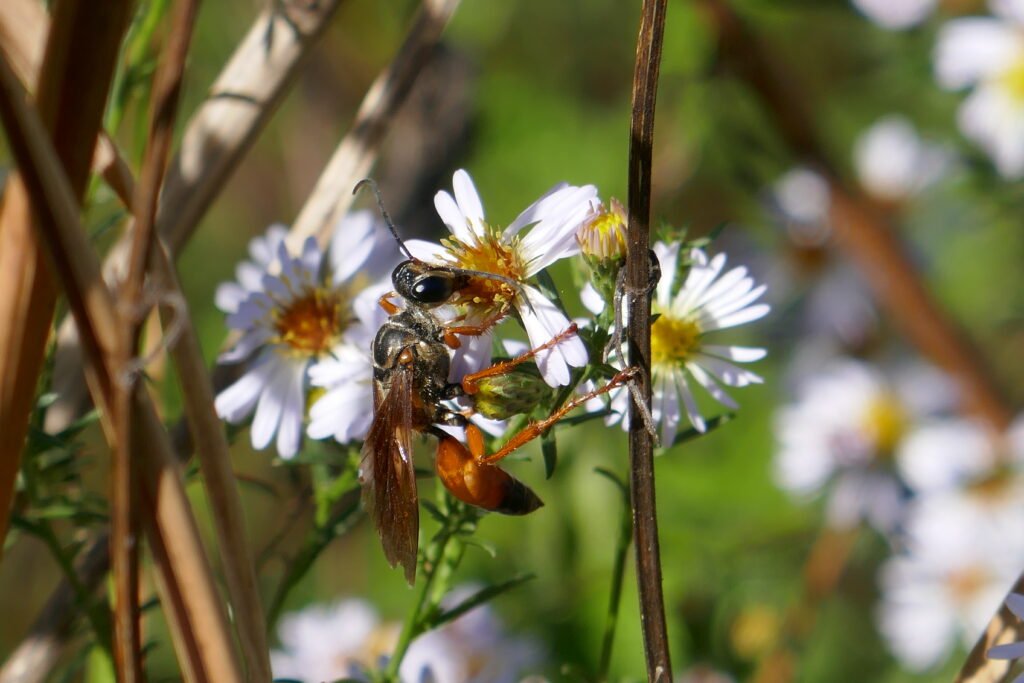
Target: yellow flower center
pixel 312 322
pixel 1012 80
pixel 755 631
pixel 488 254
pixel 885 422
pixel 603 234
pixel 965 584
pixel 673 341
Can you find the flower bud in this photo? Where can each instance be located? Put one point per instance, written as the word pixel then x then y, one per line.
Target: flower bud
pixel 516 392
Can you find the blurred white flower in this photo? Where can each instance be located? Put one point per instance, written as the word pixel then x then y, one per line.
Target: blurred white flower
pixel 893 162
pixel 949 583
pixel 1015 602
pixel 843 433
pixel 347 639
pixel 708 300
pixel 291 318
pixel 476 245
pixel 987 53
pixel 803 198
pixel 896 14
pixel 704 674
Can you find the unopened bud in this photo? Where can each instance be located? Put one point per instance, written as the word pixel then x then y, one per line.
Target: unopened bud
pixel 602 235
pixel 516 392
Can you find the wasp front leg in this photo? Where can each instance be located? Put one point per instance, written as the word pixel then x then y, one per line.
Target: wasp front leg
pixel 470 383
pixel 385 302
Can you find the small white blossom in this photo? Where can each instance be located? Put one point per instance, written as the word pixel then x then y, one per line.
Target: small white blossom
pixel 709 300
pixel 987 54
pixel 843 433
pixel 477 245
pixel 896 14
pixel 803 199
pixel 894 163
pixel 291 318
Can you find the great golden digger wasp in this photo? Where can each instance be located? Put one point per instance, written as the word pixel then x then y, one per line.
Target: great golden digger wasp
pixel 411 392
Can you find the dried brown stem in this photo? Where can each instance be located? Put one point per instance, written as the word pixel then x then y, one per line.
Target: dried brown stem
pixel 355 155
pixel 74 80
pixel 23 28
pixel 189 595
pixel 216 138
pixel 638 335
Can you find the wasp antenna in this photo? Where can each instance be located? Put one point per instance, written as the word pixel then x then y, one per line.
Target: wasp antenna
pixel 372 184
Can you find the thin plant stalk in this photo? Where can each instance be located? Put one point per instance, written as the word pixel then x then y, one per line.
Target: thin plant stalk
pixel 189 593
pixel 638 335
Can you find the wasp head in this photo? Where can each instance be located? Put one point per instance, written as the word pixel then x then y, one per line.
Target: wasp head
pixel 426 285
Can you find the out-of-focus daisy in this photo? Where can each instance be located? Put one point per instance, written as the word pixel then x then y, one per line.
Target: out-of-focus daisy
pixel 710 299
pixel 802 198
pixel 896 14
pixel 477 245
pixel 843 433
pixel 1015 602
pixel 324 643
pixel 947 585
pixel 249 274
pixel 297 315
pixel 894 163
pixel 987 53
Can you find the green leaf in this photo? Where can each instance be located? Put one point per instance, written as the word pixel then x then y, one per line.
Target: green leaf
pixel 480 597
pixel 549 449
pixel 711 425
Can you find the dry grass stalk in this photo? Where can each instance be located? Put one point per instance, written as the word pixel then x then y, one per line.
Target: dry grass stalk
pixel 216 138
pixel 190 592
pixel 638 335
pixel 125 518
pixel 75 77
pixel 355 155
pixel 23 28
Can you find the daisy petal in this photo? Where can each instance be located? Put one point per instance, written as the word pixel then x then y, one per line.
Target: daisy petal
pixel 1007 651
pixel 543 321
pixel 237 401
pixel 668 256
pixel 452 216
pixel 289 432
pixel 533 213
pixel 467 198
pixel 739 354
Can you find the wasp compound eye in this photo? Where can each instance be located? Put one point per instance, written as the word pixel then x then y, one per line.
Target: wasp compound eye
pixel 432 289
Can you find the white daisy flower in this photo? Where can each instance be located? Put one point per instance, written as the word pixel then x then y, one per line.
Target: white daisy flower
pixel 843 432
pixel 295 317
pixel 948 584
pixel 1015 602
pixel 894 163
pixel 249 274
pixel 476 245
pixel 987 53
pixel 708 300
pixel 896 14
pixel 348 640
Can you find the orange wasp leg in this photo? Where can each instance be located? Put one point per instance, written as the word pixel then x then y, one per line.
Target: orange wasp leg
pixel 385 303
pixel 471 330
pixel 470 381
pixel 536 428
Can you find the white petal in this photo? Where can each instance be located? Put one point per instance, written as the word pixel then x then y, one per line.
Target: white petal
pixel 994 119
pixel 727 373
pixel 699 278
pixel 353 240
pixel 544 321
pixel 228 296
pixel 1011 10
pixel 1015 601
pixel 533 213
pixel 591 299
pixel 554 237
pixel 271 404
pixel 289 432
pixel 467 197
pixel 429 252
pixel 740 317
pixel 236 402
pixel 668 257
pixel 689 402
pixel 974 48
pixel 452 216
pixel 472 356
pixel 249 342
pixel 706 381
pixel 1007 651
pixel 739 354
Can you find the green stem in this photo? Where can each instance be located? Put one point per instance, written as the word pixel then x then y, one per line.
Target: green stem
pixel 615 595
pixel 440 559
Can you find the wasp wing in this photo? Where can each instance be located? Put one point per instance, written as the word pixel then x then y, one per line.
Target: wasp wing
pixel 389 478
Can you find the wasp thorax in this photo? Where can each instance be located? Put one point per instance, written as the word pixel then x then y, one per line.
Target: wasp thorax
pixel 515 393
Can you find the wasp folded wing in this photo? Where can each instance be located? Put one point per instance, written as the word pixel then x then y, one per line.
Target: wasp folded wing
pixel 388 474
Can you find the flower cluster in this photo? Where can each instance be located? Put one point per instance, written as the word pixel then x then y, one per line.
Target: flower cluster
pixel 305 322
